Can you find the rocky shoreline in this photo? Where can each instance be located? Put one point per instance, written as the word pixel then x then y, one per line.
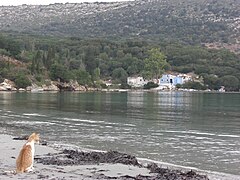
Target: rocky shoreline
pixel 51 86
pixel 8 85
pixel 55 86
pixel 71 163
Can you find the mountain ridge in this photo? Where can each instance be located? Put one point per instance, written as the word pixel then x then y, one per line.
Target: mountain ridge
pixel 191 22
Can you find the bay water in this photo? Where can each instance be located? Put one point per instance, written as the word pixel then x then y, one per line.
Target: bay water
pixel 192 129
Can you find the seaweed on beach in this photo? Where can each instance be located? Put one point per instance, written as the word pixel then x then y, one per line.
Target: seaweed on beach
pixel 21 137
pixel 165 173
pixel 74 157
pixel 25 137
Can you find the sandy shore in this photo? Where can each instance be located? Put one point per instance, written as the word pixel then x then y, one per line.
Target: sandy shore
pixel 10 149
pixel 53 163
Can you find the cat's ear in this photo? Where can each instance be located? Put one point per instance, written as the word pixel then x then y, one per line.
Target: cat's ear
pixel 36 134
pixel 33 134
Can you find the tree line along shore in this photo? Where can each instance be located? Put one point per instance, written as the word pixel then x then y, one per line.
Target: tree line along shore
pixel 90 62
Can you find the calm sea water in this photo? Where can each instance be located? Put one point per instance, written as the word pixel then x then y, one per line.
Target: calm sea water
pixel 199 130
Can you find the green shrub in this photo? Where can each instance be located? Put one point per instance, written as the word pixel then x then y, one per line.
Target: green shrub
pixel 22 81
pixel 150 85
pixel 83 77
pixel 194 85
pixel 125 86
pixel 231 83
pixel 4 52
pixel 103 85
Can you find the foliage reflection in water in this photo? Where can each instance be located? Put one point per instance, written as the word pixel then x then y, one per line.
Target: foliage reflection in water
pixel 191 129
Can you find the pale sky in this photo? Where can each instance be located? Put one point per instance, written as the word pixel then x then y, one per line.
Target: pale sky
pixel 45 2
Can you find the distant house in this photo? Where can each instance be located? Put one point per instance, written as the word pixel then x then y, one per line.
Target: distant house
pixel 108 82
pixel 222 89
pixel 169 81
pixel 136 81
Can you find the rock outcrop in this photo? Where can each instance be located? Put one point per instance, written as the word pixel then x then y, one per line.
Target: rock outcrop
pixel 71 86
pixel 56 86
pixel 49 85
pixel 76 86
pixel 8 85
pixel 34 88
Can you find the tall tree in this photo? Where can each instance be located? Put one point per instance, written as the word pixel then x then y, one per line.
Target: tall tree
pixel 90 60
pixel 231 83
pixel 119 75
pixel 155 64
pixel 50 57
pixel 38 59
pixel 96 74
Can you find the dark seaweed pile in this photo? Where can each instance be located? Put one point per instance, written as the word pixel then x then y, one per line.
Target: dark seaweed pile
pixel 74 157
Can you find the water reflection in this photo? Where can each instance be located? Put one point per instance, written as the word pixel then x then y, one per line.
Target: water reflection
pixel 192 129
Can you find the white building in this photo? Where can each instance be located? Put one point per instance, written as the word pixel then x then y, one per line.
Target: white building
pixel 108 82
pixel 169 81
pixel 136 81
pixel 166 81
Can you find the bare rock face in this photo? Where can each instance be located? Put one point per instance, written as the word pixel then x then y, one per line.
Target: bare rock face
pixel 76 86
pixel 21 89
pixel 80 88
pixel 71 86
pixel 29 88
pixel 8 85
pixel 50 87
pixel 57 86
pixel 34 87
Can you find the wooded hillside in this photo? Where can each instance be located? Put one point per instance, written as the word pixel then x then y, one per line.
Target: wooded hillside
pixel 188 21
pixel 90 60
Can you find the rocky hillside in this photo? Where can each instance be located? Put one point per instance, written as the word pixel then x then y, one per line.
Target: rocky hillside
pixel 190 21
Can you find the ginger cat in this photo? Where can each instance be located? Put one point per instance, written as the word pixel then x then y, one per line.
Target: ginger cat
pixel 25 158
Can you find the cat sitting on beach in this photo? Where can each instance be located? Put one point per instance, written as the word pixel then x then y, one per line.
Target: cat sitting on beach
pixel 25 158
